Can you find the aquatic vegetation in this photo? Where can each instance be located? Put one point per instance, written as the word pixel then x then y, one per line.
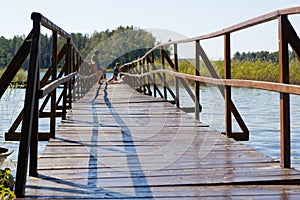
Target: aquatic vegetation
pixel 6 184
pixel 247 70
pixel 20 76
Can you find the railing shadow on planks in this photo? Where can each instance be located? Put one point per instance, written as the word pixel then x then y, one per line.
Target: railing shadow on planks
pixel 144 73
pixel 139 74
pixel 75 79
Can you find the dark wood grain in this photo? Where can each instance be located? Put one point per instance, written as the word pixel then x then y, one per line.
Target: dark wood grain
pixel 128 145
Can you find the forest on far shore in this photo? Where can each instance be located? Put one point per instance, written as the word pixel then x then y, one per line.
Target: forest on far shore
pixel 120 45
pixel 260 55
pixel 125 44
pixel 112 43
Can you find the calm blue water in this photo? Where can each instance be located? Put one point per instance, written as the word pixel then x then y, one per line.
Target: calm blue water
pixel 259 109
pixel 11 104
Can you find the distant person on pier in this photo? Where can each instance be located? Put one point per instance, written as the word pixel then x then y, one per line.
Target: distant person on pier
pixel 114 77
pixel 97 66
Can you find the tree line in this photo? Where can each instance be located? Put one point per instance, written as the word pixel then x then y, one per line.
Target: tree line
pixel 264 56
pixel 120 45
pixel 123 44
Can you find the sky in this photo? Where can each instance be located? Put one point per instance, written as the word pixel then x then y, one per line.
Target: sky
pixel 168 19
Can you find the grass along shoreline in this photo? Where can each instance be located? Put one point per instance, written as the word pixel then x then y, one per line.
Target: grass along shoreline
pixel 255 70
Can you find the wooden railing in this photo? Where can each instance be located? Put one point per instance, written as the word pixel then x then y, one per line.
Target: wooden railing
pixel 46 88
pixel 143 73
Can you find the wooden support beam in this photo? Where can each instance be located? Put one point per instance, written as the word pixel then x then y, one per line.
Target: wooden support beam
pixel 15 64
pixel 28 146
pixel 16 136
pixel 234 110
pixel 177 102
pixel 197 83
pixel 285 136
pixel 162 78
pixel 149 80
pixel 53 78
pixel 182 81
pixel 19 119
pixel 66 85
pixel 227 75
pixel 29 111
pixel 293 38
pixel 35 128
pixel 163 75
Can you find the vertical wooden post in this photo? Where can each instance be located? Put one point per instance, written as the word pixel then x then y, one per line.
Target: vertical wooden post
pixel 76 66
pixel 154 78
pixel 142 71
pixel 176 78
pixel 71 81
pixel 69 93
pixel 197 83
pixel 148 79
pixel 139 72
pixel 163 75
pixel 83 71
pixel 82 80
pixel 81 87
pixel 132 79
pixel 284 97
pixel 53 93
pixel 135 71
pixel 35 129
pixel 30 116
pixel 144 78
pixel 135 79
pixel 66 88
pixel 227 92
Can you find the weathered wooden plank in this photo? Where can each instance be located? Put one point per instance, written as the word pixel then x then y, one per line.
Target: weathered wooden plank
pixel 77 173
pixel 220 192
pixel 127 145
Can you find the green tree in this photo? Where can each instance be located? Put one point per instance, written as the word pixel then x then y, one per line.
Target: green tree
pixel 123 44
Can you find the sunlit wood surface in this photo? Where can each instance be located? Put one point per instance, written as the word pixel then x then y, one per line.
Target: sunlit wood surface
pixel 117 143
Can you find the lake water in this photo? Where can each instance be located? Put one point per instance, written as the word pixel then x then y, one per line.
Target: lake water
pixel 259 109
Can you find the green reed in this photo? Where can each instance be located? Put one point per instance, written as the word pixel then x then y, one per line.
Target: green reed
pixel 256 70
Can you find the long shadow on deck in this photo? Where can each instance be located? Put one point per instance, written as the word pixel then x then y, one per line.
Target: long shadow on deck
pixel 93 149
pixel 82 190
pixel 137 174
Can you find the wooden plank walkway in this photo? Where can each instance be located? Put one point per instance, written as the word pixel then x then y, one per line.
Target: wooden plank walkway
pixel 117 143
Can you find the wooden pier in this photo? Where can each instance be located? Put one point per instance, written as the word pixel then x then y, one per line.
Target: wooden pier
pixel 120 144
pixel 117 143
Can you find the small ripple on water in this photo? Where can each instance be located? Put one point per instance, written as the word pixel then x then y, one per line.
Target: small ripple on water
pixel 11 104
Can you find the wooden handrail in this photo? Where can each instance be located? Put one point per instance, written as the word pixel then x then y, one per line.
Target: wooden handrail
pixel 31 112
pixel 240 26
pixel 49 24
pixel 286 36
pixel 53 85
pixel 246 24
pixel 53 27
pixel 69 51
pixel 270 86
